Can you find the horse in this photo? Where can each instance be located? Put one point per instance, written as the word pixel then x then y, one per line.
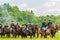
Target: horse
pixel 7 30
pixel 39 32
pixel 57 27
pixel 18 30
pixel 34 29
pixel 2 32
pixel 51 30
pixel 13 31
pixel 26 31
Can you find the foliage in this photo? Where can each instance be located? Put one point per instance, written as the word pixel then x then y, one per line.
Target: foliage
pixel 12 13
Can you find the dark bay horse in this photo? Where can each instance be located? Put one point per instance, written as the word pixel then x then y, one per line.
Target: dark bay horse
pixel 2 32
pixel 18 30
pixel 13 30
pixel 29 30
pixel 7 30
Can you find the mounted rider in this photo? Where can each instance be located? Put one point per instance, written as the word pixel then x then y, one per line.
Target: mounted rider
pixel 6 26
pixel 12 25
pixel 49 23
pixel 17 26
pixel 29 23
pixel 44 26
pixel 27 29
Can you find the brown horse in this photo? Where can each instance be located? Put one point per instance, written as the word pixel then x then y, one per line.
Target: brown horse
pixel 39 32
pixel 18 30
pixel 50 31
pixel 30 32
pixel 7 32
pixel 57 27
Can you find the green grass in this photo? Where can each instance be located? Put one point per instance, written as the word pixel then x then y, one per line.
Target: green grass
pixel 49 38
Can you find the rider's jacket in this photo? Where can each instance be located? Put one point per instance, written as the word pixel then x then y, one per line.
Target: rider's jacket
pixel 44 24
pixel 49 23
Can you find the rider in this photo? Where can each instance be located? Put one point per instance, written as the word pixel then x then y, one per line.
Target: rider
pixel 12 25
pixel 49 23
pixel 17 25
pixel 6 26
pixel 27 27
pixel 29 23
pixel 44 25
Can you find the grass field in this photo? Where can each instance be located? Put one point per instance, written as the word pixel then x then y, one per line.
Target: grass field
pixel 49 38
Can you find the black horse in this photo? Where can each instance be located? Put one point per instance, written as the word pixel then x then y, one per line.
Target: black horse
pixel 18 30
pixel 13 30
pixel 2 33
pixel 29 30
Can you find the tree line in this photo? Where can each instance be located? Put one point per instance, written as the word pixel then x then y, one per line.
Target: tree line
pixel 12 13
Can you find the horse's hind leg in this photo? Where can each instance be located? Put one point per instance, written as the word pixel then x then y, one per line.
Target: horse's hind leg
pixel 1 36
pixel 53 35
pixel 30 36
pixel 41 35
pixel 18 35
pixel 22 36
pixel 37 35
pixel 15 36
pixel 45 36
pixel 33 34
pixel 8 35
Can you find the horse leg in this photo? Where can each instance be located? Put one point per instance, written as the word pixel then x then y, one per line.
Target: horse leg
pixel 37 35
pixel 53 35
pixel 41 35
pixel 45 36
pixel 18 35
pixel 26 36
pixel 30 35
pixel 8 35
pixel 33 34
pixel 15 36
pixel 22 36
pixel 1 35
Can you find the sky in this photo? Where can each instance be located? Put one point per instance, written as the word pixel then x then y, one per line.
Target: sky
pixel 39 7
